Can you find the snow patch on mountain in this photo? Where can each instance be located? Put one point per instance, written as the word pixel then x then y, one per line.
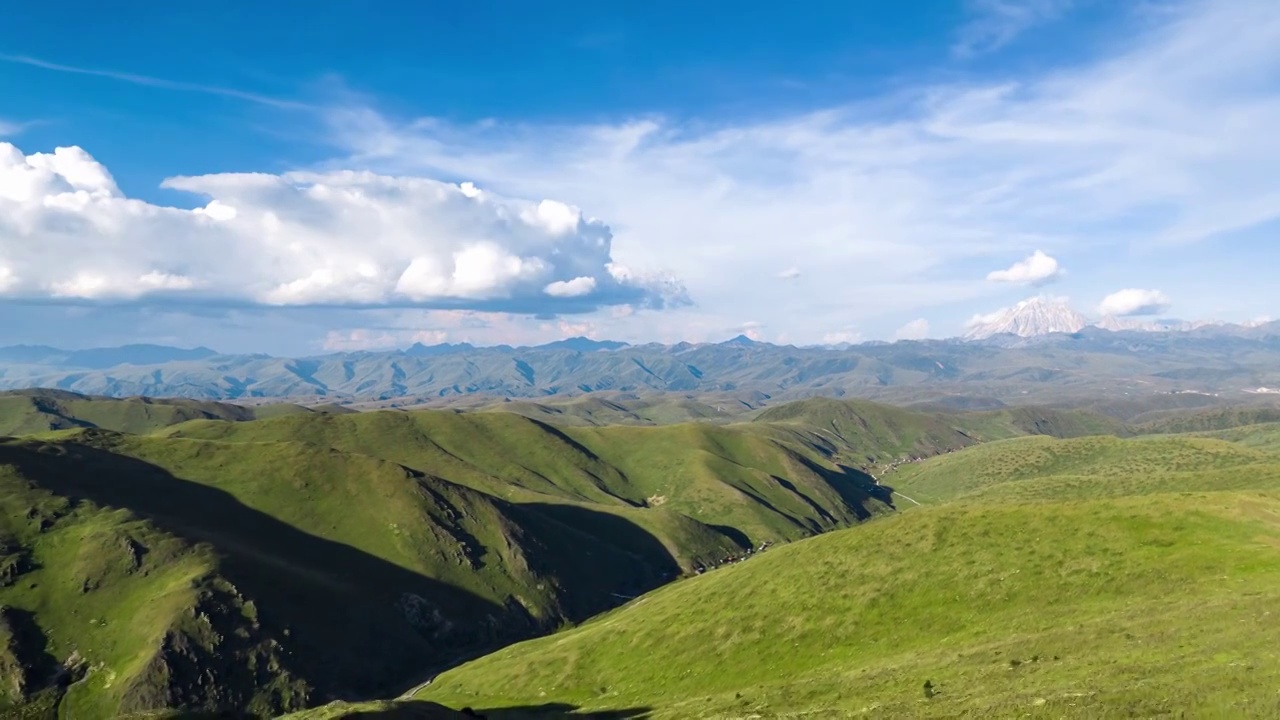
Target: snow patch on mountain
pixel 1029 318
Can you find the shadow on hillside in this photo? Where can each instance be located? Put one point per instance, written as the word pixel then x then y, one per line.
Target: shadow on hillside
pixel 423 710
pixel 854 486
pixel 335 608
pixel 561 710
pixel 608 557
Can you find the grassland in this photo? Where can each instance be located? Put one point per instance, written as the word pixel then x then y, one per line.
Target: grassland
pixel 1090 467
pixel 27 412
pixel 1093 577
pixel 306 557
pixel 282 558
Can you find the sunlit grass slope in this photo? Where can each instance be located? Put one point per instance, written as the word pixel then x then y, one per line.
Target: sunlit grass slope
pixel 27 412
pixel 1264 436
pixel 765 482
pixel 1135 606
pixel 1091 467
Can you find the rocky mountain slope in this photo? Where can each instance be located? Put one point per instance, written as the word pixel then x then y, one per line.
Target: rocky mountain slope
pixel 1030 318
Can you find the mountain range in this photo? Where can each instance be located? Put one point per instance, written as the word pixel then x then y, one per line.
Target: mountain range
pixel 1042 353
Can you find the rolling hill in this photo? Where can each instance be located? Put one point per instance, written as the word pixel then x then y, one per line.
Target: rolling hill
pixel 289 557
pixel 24 412
pixel 1111 595
pixel 307 557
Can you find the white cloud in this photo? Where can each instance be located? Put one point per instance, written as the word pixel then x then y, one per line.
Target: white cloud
pixel 986 318
pixel 842 337
pixel 790 273
pixel 995 23
pixel 1133 301
pixel 1037 269
pixel 887 202
pixel 337 238
pixel 576 287
pixel 914 330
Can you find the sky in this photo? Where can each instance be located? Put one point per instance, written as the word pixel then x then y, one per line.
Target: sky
pixel 299 178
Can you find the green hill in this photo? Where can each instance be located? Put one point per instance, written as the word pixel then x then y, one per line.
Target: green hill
pixel 1209 420
pixel 310 575
pixel 27 412
pixel 1137 600
pixel 764 482
pixel 1091 467
pixel 206 557
pixel 308 557
pixel 1265 436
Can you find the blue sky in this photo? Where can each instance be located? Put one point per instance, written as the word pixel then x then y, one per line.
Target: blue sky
pixel 296 178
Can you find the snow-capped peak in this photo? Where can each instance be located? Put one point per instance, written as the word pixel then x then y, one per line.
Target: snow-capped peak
pixel 1029 318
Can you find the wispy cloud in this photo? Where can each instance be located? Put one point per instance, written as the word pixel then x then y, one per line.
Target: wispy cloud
pixel 9 128
pixel 888 203
pixel 155 82
pixel 995 23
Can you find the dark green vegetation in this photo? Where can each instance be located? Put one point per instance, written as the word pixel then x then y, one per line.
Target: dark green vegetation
pixel 1089 577
pixel 200 556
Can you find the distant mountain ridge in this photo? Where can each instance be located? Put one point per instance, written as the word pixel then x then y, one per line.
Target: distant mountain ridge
pixel 1040 316
pixel 1004 366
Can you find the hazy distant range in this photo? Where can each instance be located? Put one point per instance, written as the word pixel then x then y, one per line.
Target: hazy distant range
pixel 1228 361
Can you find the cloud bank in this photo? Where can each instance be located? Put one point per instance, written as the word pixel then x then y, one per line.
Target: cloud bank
pixel 1133 301
pixel 337 238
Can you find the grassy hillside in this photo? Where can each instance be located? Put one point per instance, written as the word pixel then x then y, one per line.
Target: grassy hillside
pixel 26 412
pixel 763 482
pixel 284 558
pixel 1088 467
pixel 1264 436
pixel 624 408
pixel 113 605
pixel 1068 606
pixel 309 556
pixel 1210 420
pixel 346 575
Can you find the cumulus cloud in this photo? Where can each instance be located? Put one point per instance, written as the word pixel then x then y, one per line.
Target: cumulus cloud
pixel 68 233
pixel 1133 301
pixel 576 287
pixel 915 330
pixel 1038 269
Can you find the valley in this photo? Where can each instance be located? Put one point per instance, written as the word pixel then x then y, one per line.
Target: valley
pixel 298 557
